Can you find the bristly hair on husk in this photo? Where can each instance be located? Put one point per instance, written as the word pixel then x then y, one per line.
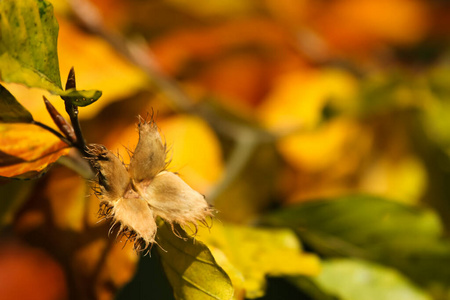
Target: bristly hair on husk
pixel 134 196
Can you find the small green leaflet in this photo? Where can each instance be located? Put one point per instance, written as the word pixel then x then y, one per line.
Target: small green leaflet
pixel 81 98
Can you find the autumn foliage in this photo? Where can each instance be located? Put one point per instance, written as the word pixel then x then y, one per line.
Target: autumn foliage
pixel 224 149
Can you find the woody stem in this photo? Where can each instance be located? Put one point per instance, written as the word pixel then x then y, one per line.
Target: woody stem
pixel 72 111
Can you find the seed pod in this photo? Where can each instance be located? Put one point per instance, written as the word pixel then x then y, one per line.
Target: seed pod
pixel 134 198
pixel 149 157
pixel 136 220
pixel 175 201
pixel 112 175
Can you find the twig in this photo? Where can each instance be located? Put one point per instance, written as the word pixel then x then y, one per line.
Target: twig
pixel 241 154
pixel 72 111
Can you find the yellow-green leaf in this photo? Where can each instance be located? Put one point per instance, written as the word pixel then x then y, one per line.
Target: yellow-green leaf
pixel 28 37
pixel 81 98
pixel 12 111
pixel 28 49
pixel 350 279
pixel 406 237
pixel 191 268
pixel 250 254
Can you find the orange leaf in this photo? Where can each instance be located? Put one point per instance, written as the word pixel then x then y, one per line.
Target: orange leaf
pixel 175 50
pixel 26 150
pixel 364 24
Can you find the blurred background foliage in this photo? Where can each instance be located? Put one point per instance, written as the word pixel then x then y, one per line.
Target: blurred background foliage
pixel 280 112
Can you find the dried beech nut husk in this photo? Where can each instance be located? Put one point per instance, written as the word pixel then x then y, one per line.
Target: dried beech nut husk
pixel 136 221
pixel 112 175
pixel 175 201
pixel 149 157
pixel 134 197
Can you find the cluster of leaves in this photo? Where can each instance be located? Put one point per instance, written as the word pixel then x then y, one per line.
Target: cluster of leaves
pixel 276 110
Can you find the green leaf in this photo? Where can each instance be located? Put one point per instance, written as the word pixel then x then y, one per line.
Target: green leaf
pixel 28 39
pixel 81 98
pixel 435 115
pixel 191 268
pixel 250 254
pixel 28 49
pixel 12 111
pixel 408 238
pixel 359 280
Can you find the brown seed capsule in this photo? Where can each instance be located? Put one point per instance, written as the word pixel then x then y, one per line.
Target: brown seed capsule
pixel 149 157
pixel 134 198
pixel 112 175
pixel 175 201
pixel 136 220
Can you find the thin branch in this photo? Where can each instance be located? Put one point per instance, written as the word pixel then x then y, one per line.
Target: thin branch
pixel 241 154
pixel 72 111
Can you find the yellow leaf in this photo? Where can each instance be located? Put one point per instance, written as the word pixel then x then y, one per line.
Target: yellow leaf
pixel 298 98
pixel 66 192
pixel 316 150
pixel 194 149
pixel 250 254
pixel 215 8
pixel 403 21
pixel 403 179
pixel 26 150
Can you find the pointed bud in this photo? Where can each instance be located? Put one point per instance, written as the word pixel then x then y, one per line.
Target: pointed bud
pixel 149 157
pixel 59 120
